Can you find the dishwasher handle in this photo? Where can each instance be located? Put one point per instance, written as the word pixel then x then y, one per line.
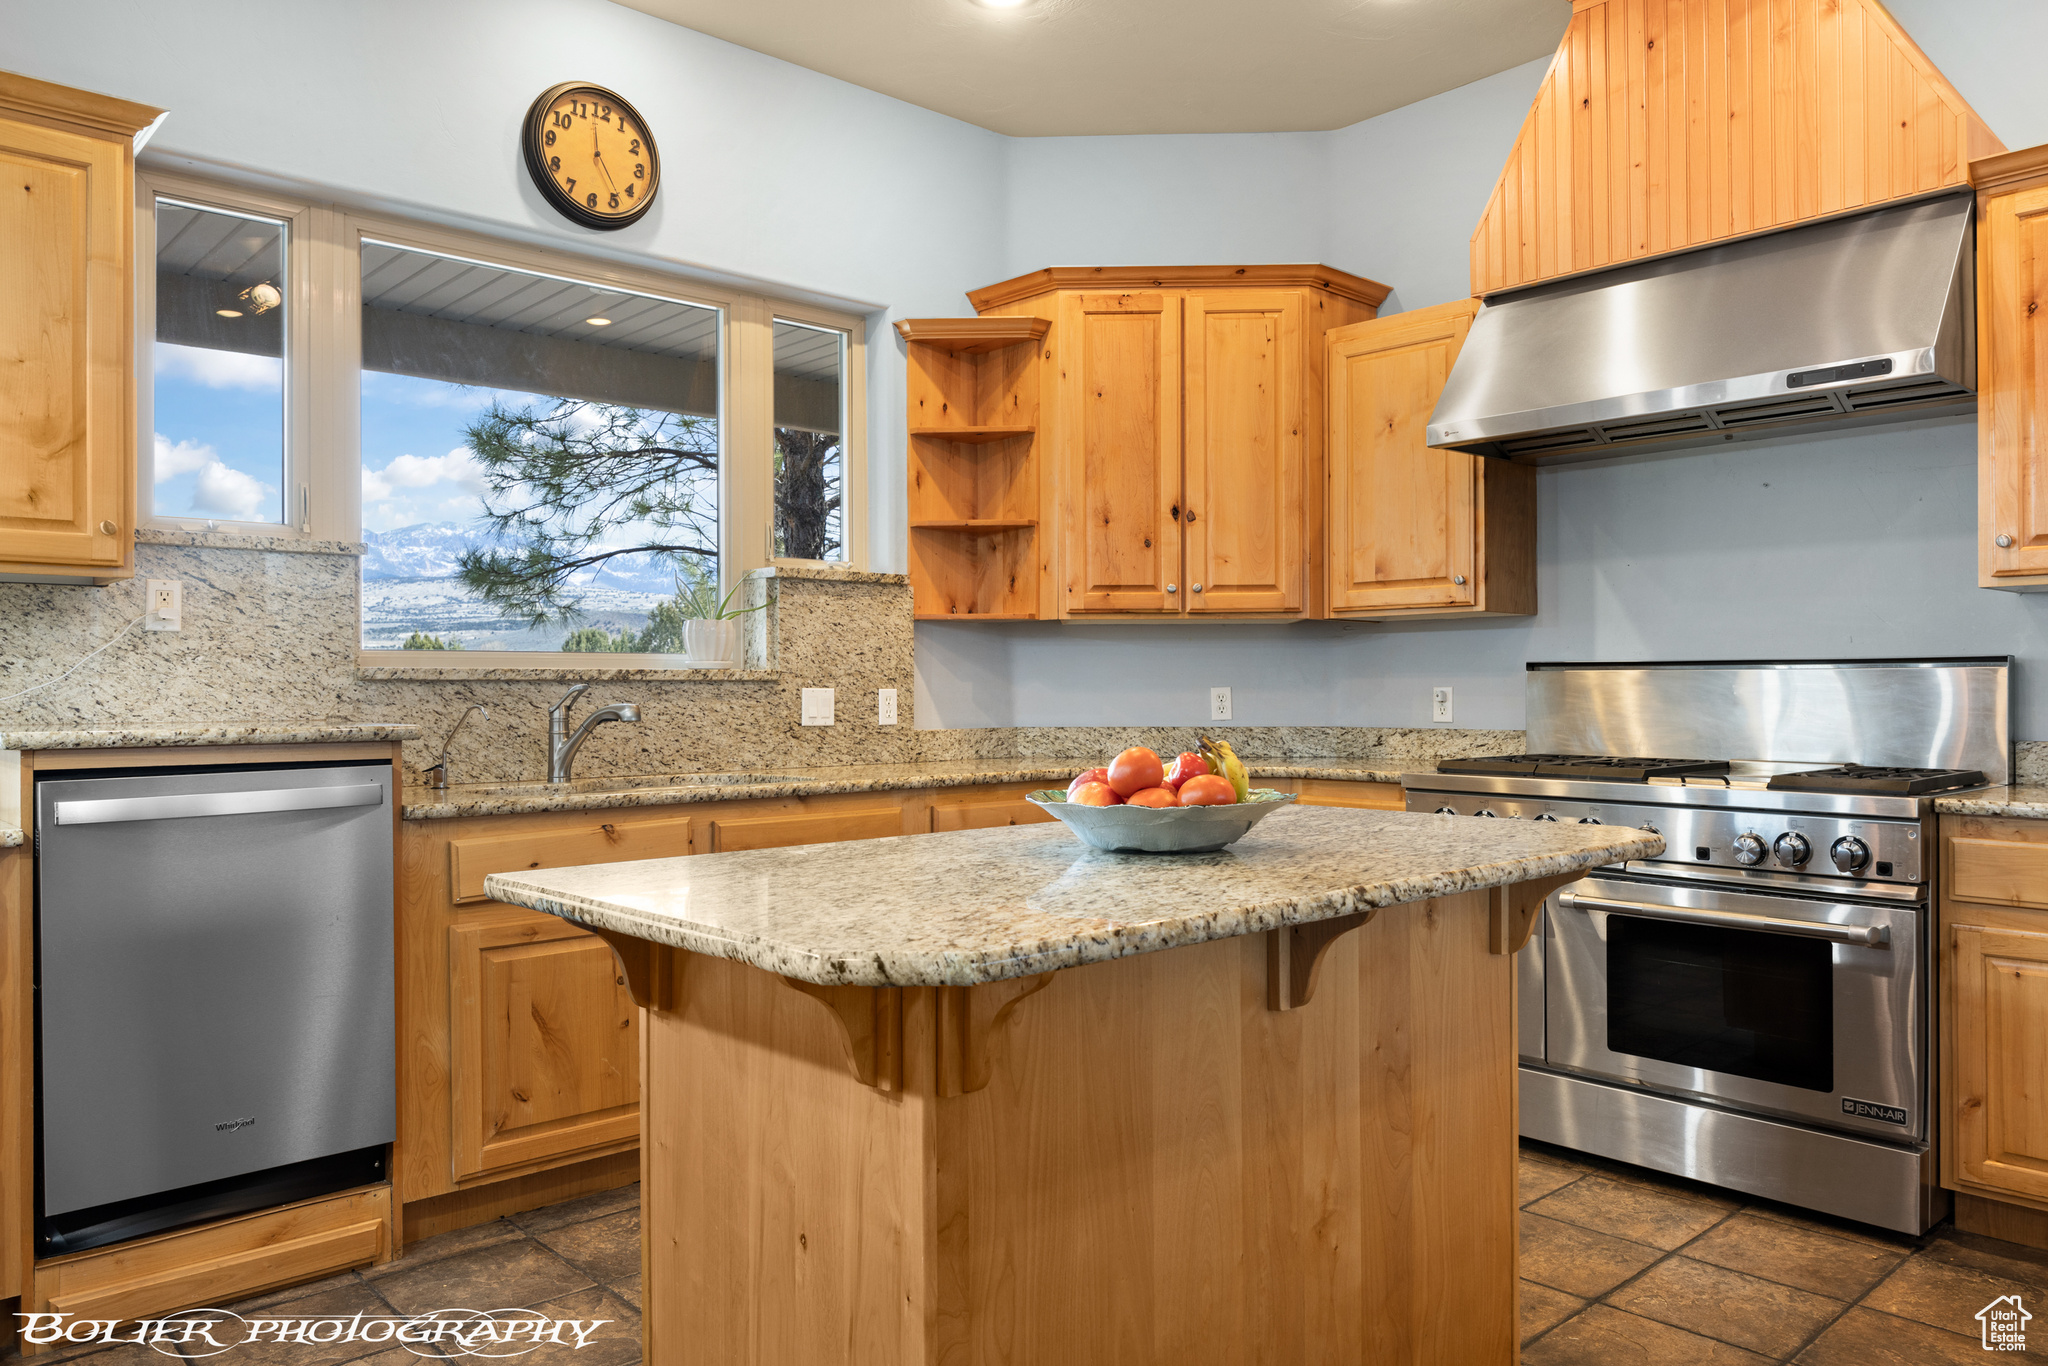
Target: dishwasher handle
pixel 106 810
pixel 1874 936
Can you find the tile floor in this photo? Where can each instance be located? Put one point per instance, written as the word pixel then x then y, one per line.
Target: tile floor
pixel 1620 1267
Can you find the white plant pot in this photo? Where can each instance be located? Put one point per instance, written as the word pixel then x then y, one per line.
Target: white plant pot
pixel 712 644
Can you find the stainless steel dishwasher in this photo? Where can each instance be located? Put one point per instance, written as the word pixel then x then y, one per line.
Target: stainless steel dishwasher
pixel 214 993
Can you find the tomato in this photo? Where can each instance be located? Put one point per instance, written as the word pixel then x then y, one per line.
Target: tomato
pixel 1097 794
pixel 1135 769
pixel 1093 775
pixel 1208 789
pixel 1189 765
pixel 1154 796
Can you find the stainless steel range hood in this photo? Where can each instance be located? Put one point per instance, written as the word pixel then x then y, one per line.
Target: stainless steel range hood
pixel 1854 320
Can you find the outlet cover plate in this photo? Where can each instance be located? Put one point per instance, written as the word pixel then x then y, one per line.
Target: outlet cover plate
pixel 885 707
pixel 163 605
pixel 1440 704
pixel 1219 704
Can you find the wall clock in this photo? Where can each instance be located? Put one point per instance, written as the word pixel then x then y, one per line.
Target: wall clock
pixel 591 154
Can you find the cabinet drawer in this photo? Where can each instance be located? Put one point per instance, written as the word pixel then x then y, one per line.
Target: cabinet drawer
pixel 1364 796
pixel 988 815
pixel 1998 872
pixel 220 1263
pixel 471 860
pixel 825 827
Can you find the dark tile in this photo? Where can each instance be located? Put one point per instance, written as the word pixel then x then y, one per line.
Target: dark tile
pixel 1828 1224
pixel 1543 1308
pixel 1557 1157
pixel 613 1343
pixel 447 1245
pixel 1578 1261
pixel 1536 1179
pixel 1607 1337
pixel 259 1347
pixel 2025 1265
pixel 581 1208
pixel 629 1289
pixel 1794 1255
pixel 1640 1213
pixel 119 1354
pixel 505 1276
pixel 1862 1337
pixel 607 1250
pixel 1715 1302
pixel 296 1292
pixel 1941 1293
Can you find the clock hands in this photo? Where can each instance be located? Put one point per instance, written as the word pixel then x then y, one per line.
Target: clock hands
pixel 597 156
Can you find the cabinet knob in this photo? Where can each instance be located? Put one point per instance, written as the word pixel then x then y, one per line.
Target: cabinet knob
pixel 1198 588
pixel 1458 579
pixel 1173 588
pixel 2004 541
pixel 108 528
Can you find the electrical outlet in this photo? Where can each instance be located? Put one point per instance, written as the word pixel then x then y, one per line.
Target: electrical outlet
pixel 1219 704
pixel 885 708
pixel 163 605
pixel 817 706
pixel 1439 704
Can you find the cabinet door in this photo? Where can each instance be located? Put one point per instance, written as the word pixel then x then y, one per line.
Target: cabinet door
pixel 546 1056
pixel 1997 1014
pixel 1404 519
pixel 732 834
pixel 1120 497
pixel 1244 479
pixel 2013 387
pixel 67 450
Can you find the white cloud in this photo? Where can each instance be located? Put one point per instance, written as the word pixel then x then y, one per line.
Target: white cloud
pixel 458 467
pixel 182 457
pixel 222 492
pixel 220 369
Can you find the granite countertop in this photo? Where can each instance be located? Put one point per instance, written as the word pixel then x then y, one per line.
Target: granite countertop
pixel 596 794
pixel 224 733
pixel 2024 802
pixel 973 906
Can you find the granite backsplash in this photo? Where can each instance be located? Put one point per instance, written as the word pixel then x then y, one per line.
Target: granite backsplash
pixel 270 633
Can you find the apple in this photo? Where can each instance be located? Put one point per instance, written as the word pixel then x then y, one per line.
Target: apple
pixel 1153 796
pixel 1189 765
pixel 1208 789
pixel 1092 775
pixel 1134 770
pixel 1097 794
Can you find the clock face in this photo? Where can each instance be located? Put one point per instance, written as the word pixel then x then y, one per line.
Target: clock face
pixel 592 155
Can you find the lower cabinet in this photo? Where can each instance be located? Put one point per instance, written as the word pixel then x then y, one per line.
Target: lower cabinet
pixel 985 808
pixel 1994 1007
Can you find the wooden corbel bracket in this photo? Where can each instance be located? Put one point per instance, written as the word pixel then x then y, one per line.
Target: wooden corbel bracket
pixel 649 970
pixel 971 1021
pixel 870 1026
pixel 1294 955
pixel 1515 907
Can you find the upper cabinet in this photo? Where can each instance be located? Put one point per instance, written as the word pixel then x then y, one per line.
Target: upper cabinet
pixel 1415 531
pixel 2012 371
pixel 67 409
pixel 1668 124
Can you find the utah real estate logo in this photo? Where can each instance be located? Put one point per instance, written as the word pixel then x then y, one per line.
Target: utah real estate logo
pixel 2005 1324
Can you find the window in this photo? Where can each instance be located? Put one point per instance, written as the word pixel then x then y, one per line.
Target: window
pixel 810 463
pixel 217 451
pixel 540 459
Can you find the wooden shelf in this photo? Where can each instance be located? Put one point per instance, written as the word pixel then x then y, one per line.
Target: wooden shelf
pixel 970 336
pixel 972 436
pixel 974 616
pixel 975 524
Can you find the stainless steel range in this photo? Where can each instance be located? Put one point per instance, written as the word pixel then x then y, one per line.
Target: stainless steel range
pixel 1754 1008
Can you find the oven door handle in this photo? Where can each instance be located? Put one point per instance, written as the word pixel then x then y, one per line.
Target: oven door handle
pixel 1873 936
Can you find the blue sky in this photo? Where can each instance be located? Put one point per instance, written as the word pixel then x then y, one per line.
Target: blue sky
pixel 219 434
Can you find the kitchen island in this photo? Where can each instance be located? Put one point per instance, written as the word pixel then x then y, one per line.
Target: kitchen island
pixel 989 1096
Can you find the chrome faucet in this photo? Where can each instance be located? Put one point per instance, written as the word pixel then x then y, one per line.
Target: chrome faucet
pixel 562 745
pixel 439 771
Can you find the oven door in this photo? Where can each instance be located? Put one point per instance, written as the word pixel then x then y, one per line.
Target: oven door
pixel 1778 1005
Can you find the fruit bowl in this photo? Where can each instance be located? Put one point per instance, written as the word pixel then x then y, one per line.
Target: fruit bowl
pixel 1161 830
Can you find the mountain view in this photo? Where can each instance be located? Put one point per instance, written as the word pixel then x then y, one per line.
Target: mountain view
pixel 410 584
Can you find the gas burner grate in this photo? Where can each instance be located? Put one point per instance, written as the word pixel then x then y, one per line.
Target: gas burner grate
pixel 1897 782
pixel 1595 767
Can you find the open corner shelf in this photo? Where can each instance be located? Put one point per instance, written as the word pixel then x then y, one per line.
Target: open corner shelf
pixel 972 436
pixel 972 336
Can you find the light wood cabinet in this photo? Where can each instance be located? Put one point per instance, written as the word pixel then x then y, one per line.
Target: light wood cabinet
pixel 2012 370
pixel 67 409
pixel 1993 990
pixel 985 808
pixel 1416 531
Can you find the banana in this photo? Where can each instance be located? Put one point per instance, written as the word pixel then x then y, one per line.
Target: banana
pixel 1230 766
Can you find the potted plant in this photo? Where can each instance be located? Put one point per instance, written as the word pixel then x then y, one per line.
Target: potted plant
pixel 711 630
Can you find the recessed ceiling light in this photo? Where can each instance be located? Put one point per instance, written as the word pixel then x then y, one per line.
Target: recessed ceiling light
pixel 599 322
pixel 227 312
pixel 1003 4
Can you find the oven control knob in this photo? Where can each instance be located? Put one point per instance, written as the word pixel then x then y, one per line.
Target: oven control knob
pixel 1651 827
pixel 1589 820
pixel 1447 811
pixel 1546 816
pixel 1849 853
pixel 1482 811
pixel 1749 849
pixel 1792 849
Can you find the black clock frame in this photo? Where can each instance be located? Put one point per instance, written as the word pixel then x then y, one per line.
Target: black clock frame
pixel 536 163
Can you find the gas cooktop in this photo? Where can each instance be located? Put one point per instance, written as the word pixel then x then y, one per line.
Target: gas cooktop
pixel 1595 767
pixel 1901 782
pixel 1848 779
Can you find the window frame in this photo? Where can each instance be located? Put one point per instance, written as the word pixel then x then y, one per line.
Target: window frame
pixel 323 394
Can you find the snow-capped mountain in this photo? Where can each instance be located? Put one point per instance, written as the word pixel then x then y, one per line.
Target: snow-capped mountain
pixel 433 550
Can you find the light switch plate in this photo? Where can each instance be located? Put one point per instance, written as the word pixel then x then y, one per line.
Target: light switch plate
pixel 885 707
pixel 817 706
pixel 1439 704
pixel 163 605
pixel 1219 704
